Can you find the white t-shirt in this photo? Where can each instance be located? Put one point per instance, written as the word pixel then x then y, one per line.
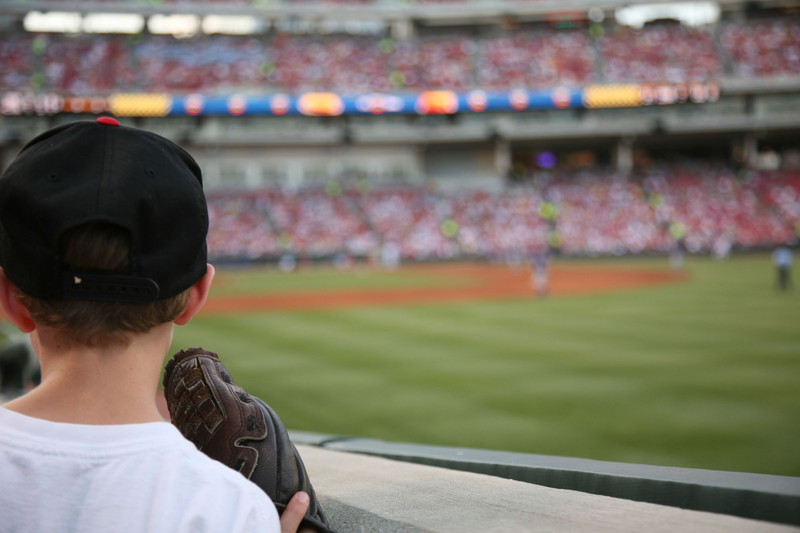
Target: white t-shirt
pixel 126 478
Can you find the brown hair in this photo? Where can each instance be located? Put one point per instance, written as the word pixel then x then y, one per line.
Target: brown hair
pixel 104 248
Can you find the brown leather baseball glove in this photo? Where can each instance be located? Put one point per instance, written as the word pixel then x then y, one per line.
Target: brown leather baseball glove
pixel 237 429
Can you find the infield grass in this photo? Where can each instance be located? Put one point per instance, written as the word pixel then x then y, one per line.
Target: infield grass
pixel 704 373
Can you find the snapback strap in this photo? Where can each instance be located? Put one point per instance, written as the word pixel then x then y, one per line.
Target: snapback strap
pixel 108 287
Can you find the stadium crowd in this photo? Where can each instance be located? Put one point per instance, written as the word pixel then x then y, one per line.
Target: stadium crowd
pixel 529 56
pixel 707 207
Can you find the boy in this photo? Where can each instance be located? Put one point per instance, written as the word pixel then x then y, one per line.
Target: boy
pixel 102 251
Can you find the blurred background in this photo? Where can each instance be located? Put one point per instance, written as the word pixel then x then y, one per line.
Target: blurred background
pixel 339 127
pixel 344 133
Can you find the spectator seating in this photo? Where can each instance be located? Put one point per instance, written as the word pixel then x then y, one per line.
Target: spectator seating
pixel 528 57
pixel 598 213
pixel 666 52
pixel 780 192
pixel 711 204
pixel 763 48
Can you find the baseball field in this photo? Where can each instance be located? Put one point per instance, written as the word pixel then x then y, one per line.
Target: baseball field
pixel 626 360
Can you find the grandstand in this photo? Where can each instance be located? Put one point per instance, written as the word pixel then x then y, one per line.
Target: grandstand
pixel 448 128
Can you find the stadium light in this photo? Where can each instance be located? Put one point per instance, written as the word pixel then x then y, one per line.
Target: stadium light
pixel 53 21
pixel 231 25
pixel 688 13
pixel 113 23
pixel 177 25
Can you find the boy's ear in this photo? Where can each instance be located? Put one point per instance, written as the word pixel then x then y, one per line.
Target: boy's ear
pixel 13 308
pixel 197 297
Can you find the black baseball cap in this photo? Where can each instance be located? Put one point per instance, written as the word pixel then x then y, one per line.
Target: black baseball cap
pixel 101 171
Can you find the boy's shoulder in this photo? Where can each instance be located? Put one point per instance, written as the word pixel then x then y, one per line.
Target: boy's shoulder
pixel 221 493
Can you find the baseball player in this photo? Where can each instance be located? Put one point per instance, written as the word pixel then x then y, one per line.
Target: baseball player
pixel 102 248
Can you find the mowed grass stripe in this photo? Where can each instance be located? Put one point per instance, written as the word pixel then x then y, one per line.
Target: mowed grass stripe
pixel 704 373
pixel 248 280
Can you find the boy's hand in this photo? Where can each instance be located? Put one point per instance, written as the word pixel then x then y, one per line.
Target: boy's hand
pixel 295 511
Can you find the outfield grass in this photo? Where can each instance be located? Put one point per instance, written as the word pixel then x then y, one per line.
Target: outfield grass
pixel 703 373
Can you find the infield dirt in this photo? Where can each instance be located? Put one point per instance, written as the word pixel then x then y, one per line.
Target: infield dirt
pixel 476 282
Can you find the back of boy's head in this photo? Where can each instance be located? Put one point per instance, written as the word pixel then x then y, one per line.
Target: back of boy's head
pixel 103 229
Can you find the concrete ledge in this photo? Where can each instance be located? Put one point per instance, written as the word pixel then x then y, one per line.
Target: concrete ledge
pixel 745 495
pixel 362 494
